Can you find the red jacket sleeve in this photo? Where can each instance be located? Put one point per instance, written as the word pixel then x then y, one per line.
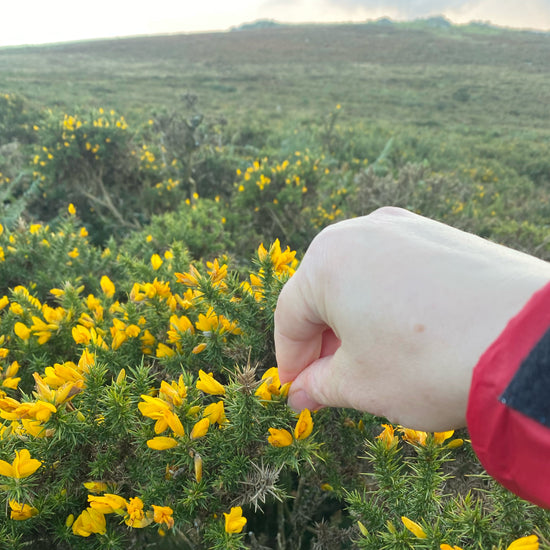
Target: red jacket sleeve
pixel 508 412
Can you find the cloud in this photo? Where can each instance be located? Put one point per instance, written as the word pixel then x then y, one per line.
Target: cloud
pixel 527 14
pixel 533 14
pixel 407 8
pixel 357 10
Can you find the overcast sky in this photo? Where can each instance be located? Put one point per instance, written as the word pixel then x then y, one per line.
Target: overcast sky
pixel 39 21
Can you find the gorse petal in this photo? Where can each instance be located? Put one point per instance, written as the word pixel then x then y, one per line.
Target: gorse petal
pixel 279 437
pixel 304 425
pixel 200 428
pixel 525 543
pixel 208 384
pixel 415 437
pixel 388 437
pixel 6 469
pixel 215 412
pixel 440 437
pixel 414 528
pixel 161 443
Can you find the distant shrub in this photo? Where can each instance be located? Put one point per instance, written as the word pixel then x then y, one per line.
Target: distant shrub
pixel 18 119
pixel 102 166
pixel 288 198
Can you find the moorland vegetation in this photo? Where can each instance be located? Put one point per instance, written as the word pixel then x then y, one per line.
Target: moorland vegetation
pixel 157 192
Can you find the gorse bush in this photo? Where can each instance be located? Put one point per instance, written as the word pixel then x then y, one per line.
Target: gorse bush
pixel 291 197
pixel 94 161
pixel 149 411
pixel 97 402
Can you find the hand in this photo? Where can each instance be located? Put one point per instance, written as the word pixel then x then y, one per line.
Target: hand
pixel 389 313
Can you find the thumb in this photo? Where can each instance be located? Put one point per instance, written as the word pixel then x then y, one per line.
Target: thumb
pixel 320 384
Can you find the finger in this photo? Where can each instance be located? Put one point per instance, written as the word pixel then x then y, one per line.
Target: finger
pixel 299 398
pixel 298 329
pixel 330 382
pixel 316 386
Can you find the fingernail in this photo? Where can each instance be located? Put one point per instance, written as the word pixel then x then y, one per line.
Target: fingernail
pixel 300 400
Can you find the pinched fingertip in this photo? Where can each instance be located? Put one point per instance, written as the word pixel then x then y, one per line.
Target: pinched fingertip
pixel 300 400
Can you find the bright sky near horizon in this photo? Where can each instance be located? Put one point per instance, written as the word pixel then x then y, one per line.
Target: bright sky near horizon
pixel 40 21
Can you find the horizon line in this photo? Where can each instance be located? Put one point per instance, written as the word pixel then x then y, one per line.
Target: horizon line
pixel 277 23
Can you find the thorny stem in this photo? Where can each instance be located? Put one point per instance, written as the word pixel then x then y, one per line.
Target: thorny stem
pixel 108 203
pixel 278 223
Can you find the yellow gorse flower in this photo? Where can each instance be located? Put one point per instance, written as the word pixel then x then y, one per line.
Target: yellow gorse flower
pixel 96 486
pixel 283 438
pixel 234 521
pixel 164 351
pixel 190 278
pixel 414 437
pixel 255 287
pixel 197 463
pixel 179 326
pixel 20 512
pixel 173 393
pixel 441 437
pixel 64 392
pixel 88 522
pixel 107 286
pixel 217 272
pixel 304 425
pixel 525 543
pixel 283 262
pixel 215 412
pixel 388 437
pixel 62 373
pixel 211 322
pixel 199 348
pixel 22 466
pixel 136 517
pixel 279 437
pixel 22 331
pixel 108 503
pixel 200 428
pixel 161 443
pixel 163 515
pixel 159 410
pixel 208 384
pixel 271 385
pixel 156 262
pixel 413 527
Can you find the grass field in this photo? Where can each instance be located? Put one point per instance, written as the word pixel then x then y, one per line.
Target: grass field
pixel 464 101
pixel 467 78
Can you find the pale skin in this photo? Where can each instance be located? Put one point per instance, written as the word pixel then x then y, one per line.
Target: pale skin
pixel 389 313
